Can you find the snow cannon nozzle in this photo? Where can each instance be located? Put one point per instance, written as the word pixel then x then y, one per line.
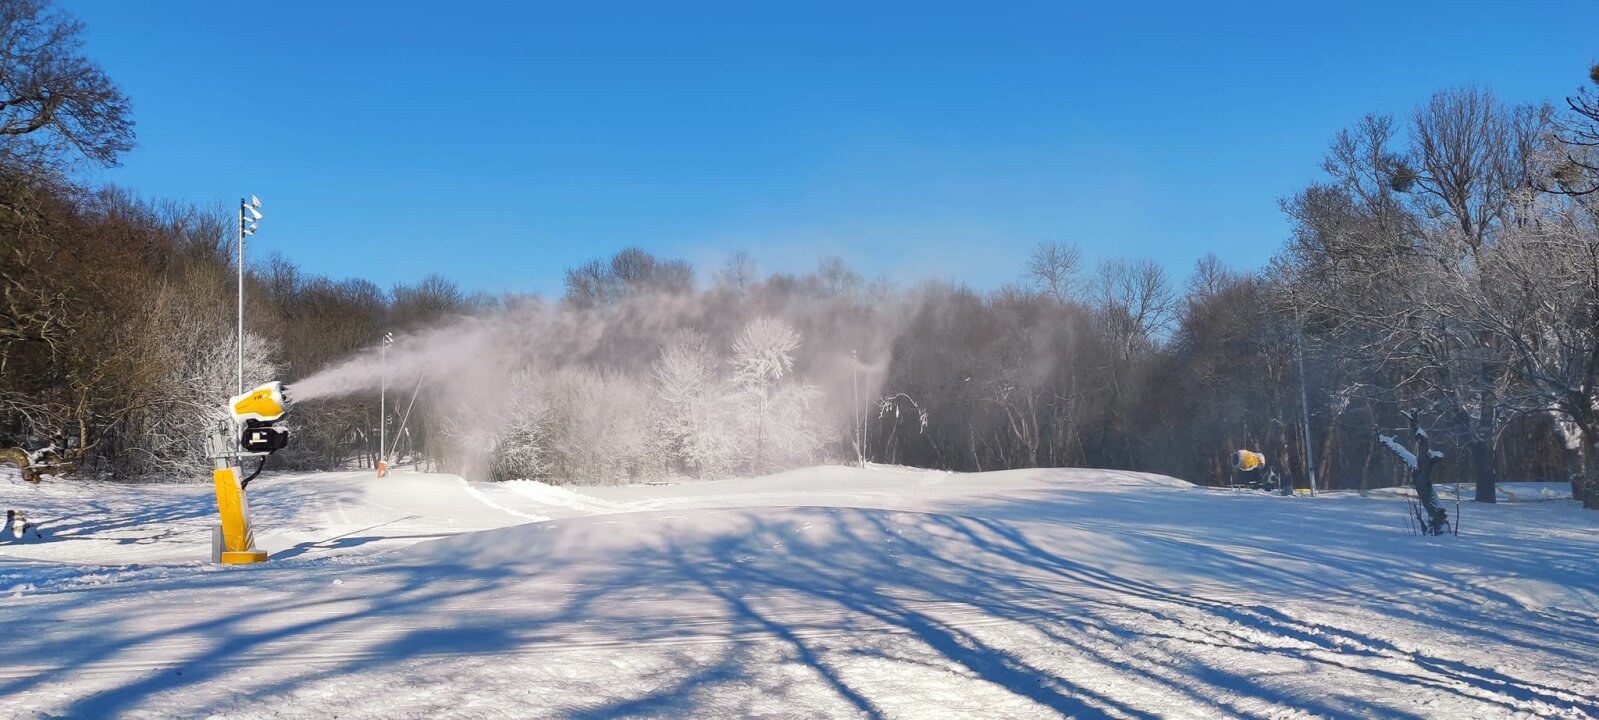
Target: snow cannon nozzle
pixel 257 413
pixel 266 403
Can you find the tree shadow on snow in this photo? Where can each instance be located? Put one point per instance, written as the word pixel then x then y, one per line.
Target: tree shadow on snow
pixel 991 595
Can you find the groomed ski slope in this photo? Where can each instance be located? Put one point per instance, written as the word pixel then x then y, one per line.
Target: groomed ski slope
pixel 826 592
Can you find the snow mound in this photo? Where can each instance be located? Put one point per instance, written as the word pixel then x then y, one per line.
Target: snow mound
pixel 826 478
pixel 890 488
pixel 556 496
pixel 1505 492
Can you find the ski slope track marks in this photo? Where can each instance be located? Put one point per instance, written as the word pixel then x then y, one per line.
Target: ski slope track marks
pixel 823 592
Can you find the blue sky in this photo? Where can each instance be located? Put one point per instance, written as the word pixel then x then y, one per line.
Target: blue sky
pixel 500 143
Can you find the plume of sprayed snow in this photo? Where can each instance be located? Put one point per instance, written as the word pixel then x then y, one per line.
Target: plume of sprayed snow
pixel 466 365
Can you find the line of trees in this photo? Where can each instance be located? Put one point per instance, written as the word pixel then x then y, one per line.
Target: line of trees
pixel 1446 265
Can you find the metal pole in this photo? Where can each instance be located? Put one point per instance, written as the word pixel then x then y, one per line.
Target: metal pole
pixel 1304 404
pixel 406 417
pixel 383 396
pixel 860 442
pixel 240 391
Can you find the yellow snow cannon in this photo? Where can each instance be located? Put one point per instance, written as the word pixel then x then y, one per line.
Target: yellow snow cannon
pixel 1248 461
pixel 266 403
pixel 253 418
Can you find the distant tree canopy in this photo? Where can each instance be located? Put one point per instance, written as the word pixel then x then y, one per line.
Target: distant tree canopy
pixel 629 272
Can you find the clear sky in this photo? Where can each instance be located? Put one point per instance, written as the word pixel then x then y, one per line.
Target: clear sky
pixel 501 142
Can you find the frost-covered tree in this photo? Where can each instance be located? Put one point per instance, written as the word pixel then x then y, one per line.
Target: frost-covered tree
pixel 763 359
pixel 793 436
pixel 694 416
pixel 188 346
pixel 1538 301
pixel 521 447
pixel 598 427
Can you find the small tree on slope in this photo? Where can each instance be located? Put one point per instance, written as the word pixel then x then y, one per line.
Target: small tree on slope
pixel 763 354
pixel 1430 515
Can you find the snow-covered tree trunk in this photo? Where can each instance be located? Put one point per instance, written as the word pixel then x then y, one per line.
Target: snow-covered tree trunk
pixel 1432 517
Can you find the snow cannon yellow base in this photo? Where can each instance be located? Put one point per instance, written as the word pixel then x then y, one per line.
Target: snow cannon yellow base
pixel 234 543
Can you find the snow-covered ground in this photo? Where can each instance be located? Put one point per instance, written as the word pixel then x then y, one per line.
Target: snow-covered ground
pixel 827 592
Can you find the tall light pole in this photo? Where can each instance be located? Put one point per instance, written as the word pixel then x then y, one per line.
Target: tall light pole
pixel 1304 402
pixel 383 401
pixel 249 215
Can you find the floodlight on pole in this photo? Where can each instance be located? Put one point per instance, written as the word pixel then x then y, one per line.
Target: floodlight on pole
pixel 383 400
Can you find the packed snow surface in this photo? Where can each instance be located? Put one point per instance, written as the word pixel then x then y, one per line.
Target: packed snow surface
pixel 825 592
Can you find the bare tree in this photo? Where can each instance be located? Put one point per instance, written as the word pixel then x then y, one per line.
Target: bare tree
pixel 1053 268
pixel 837 277
pixel 630 271
pixel 1135 303
pixel 1579 174
pixel 1462 157
pixel 1392 253
pixel 1210 279
pixel 53 100
pixel 738 272
pixel 1539 302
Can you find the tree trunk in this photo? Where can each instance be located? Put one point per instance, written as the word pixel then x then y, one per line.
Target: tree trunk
pixel 1482 467
pixel 1437 520
pixel 1366 471
pixel 1285 461
pixel 1585 482
pixel 1324 461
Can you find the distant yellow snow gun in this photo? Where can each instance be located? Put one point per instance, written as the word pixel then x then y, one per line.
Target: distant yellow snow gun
pixel 249 430
pixel 1259 475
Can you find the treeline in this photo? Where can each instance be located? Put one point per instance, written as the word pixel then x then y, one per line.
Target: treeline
pixel 1446 264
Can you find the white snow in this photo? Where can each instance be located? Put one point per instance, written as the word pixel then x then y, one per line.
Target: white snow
pixel 1404 453
pixel 826 592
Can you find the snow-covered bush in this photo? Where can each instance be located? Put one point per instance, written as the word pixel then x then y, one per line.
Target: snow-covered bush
pixel 598 429
pixel 192 357
pixel 521 447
